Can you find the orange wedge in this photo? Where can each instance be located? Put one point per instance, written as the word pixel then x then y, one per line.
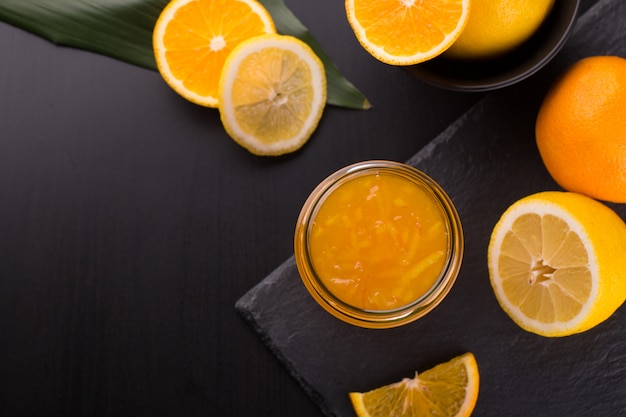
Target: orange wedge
pixel 407 32
pixel 192 38
pixel 450 389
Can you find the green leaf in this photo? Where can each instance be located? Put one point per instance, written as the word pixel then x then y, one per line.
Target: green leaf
pixel 122 29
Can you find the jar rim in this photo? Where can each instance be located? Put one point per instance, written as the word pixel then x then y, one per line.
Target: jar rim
pixel 379 318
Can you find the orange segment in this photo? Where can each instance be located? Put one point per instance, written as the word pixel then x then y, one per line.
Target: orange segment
pixel 192 39
pixel 407 32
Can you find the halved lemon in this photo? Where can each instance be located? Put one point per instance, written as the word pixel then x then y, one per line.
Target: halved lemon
pixel 192 38
pixel 556 262
pixel 272 94
pixel 449 389
pixel 407 32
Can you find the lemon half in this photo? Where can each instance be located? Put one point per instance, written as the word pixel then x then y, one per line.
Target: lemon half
pixel 556 262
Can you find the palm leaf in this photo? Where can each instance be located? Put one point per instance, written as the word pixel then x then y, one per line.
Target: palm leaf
pixel 122 29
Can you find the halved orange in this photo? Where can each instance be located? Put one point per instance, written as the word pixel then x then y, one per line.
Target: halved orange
pixel 407 32
pixel 192 39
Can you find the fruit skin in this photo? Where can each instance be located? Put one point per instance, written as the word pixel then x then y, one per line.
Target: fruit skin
pixel 607 233
pixel 581 128
pixel 498 26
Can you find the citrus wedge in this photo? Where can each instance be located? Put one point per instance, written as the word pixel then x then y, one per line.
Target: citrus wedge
pixel 192 38
pixel 556 262
pixel 449 389
pixel 407 32
pixel 272 94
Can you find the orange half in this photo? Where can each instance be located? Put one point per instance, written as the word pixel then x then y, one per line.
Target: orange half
pixel 192 38
pixel 407 32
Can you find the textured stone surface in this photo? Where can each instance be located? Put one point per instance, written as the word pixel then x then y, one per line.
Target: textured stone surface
pixel 485 160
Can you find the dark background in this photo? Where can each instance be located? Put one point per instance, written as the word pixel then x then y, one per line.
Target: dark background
pixel 130 224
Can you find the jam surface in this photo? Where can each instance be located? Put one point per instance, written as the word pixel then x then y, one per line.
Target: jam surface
pixel 378 242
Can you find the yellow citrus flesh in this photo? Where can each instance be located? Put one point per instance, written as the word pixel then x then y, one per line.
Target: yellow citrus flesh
pixel 449 389
pixel 555 263
pixel 193 38
pixel 498 26
pixel 272 94
pixel 407 32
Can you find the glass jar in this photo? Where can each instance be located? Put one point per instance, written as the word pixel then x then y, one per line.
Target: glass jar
pixel 371 210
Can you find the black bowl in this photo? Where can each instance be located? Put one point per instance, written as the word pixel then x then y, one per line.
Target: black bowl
pixel 507 69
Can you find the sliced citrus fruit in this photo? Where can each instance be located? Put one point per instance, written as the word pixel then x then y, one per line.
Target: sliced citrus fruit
pixel 192 38
pixel 272 94
pixel 407 32
pixel 449 389
pixel 556 262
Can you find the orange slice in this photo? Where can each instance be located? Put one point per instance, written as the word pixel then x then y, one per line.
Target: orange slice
pixel 407 32
pixel 192 39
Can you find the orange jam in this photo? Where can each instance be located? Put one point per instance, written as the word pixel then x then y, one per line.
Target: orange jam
pixel 378 244
pixel 378 241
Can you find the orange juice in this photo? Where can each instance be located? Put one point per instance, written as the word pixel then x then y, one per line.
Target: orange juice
pixel 378 244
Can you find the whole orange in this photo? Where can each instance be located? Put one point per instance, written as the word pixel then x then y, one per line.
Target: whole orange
pixel 581 128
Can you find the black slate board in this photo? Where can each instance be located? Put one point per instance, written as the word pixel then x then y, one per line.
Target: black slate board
pixel 486 160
